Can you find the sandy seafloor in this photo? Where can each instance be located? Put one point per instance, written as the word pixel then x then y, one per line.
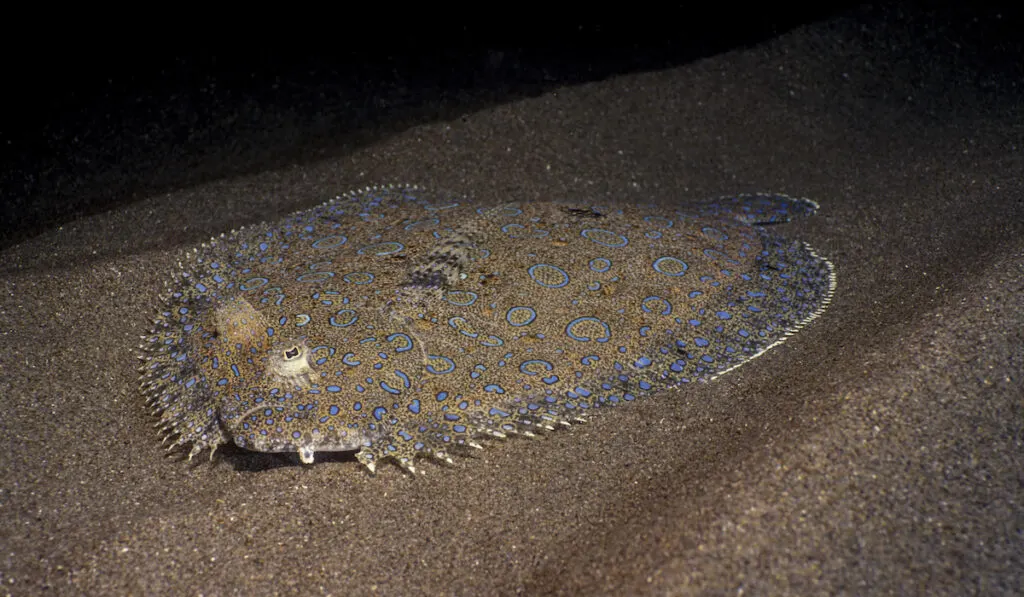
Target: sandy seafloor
pixel 877 452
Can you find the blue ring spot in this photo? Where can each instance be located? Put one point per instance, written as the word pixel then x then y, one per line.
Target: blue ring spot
pixel 441 207
pixel 531 367
pixel 381 249
pixel 460 324
pixel 605 331
pixel 508 229
pixel 714 234
pixel 492 341
pixel 670 266
pixel 460 298
pixel 315 277
pixel 605 238
pixel 600 264
pixel 520 316
pixel 428 223
pixel 253 283
pixel 329 242
pixel 658 221
pixel 406 345
pixel 358 277
pixel 449 365
pixel 656 304
pixel 548 276
pixel 344 318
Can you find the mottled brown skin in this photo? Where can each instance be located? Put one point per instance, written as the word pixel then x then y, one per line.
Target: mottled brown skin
pixel 397 323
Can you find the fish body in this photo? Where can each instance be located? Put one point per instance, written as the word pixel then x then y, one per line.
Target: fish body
pixel 401 322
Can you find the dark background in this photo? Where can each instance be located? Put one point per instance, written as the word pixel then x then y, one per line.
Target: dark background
pixel 95 117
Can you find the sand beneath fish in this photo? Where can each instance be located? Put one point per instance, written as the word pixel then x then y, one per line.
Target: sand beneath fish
pixel 879 451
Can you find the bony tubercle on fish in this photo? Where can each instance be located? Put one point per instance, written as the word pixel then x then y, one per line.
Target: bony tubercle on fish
pixel 405 323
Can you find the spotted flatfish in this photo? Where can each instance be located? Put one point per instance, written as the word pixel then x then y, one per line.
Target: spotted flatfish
pixel 402 323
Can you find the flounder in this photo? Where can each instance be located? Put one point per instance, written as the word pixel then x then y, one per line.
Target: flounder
pixel 401 322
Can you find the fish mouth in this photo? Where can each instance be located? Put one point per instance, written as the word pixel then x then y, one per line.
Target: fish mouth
pixel 307 445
